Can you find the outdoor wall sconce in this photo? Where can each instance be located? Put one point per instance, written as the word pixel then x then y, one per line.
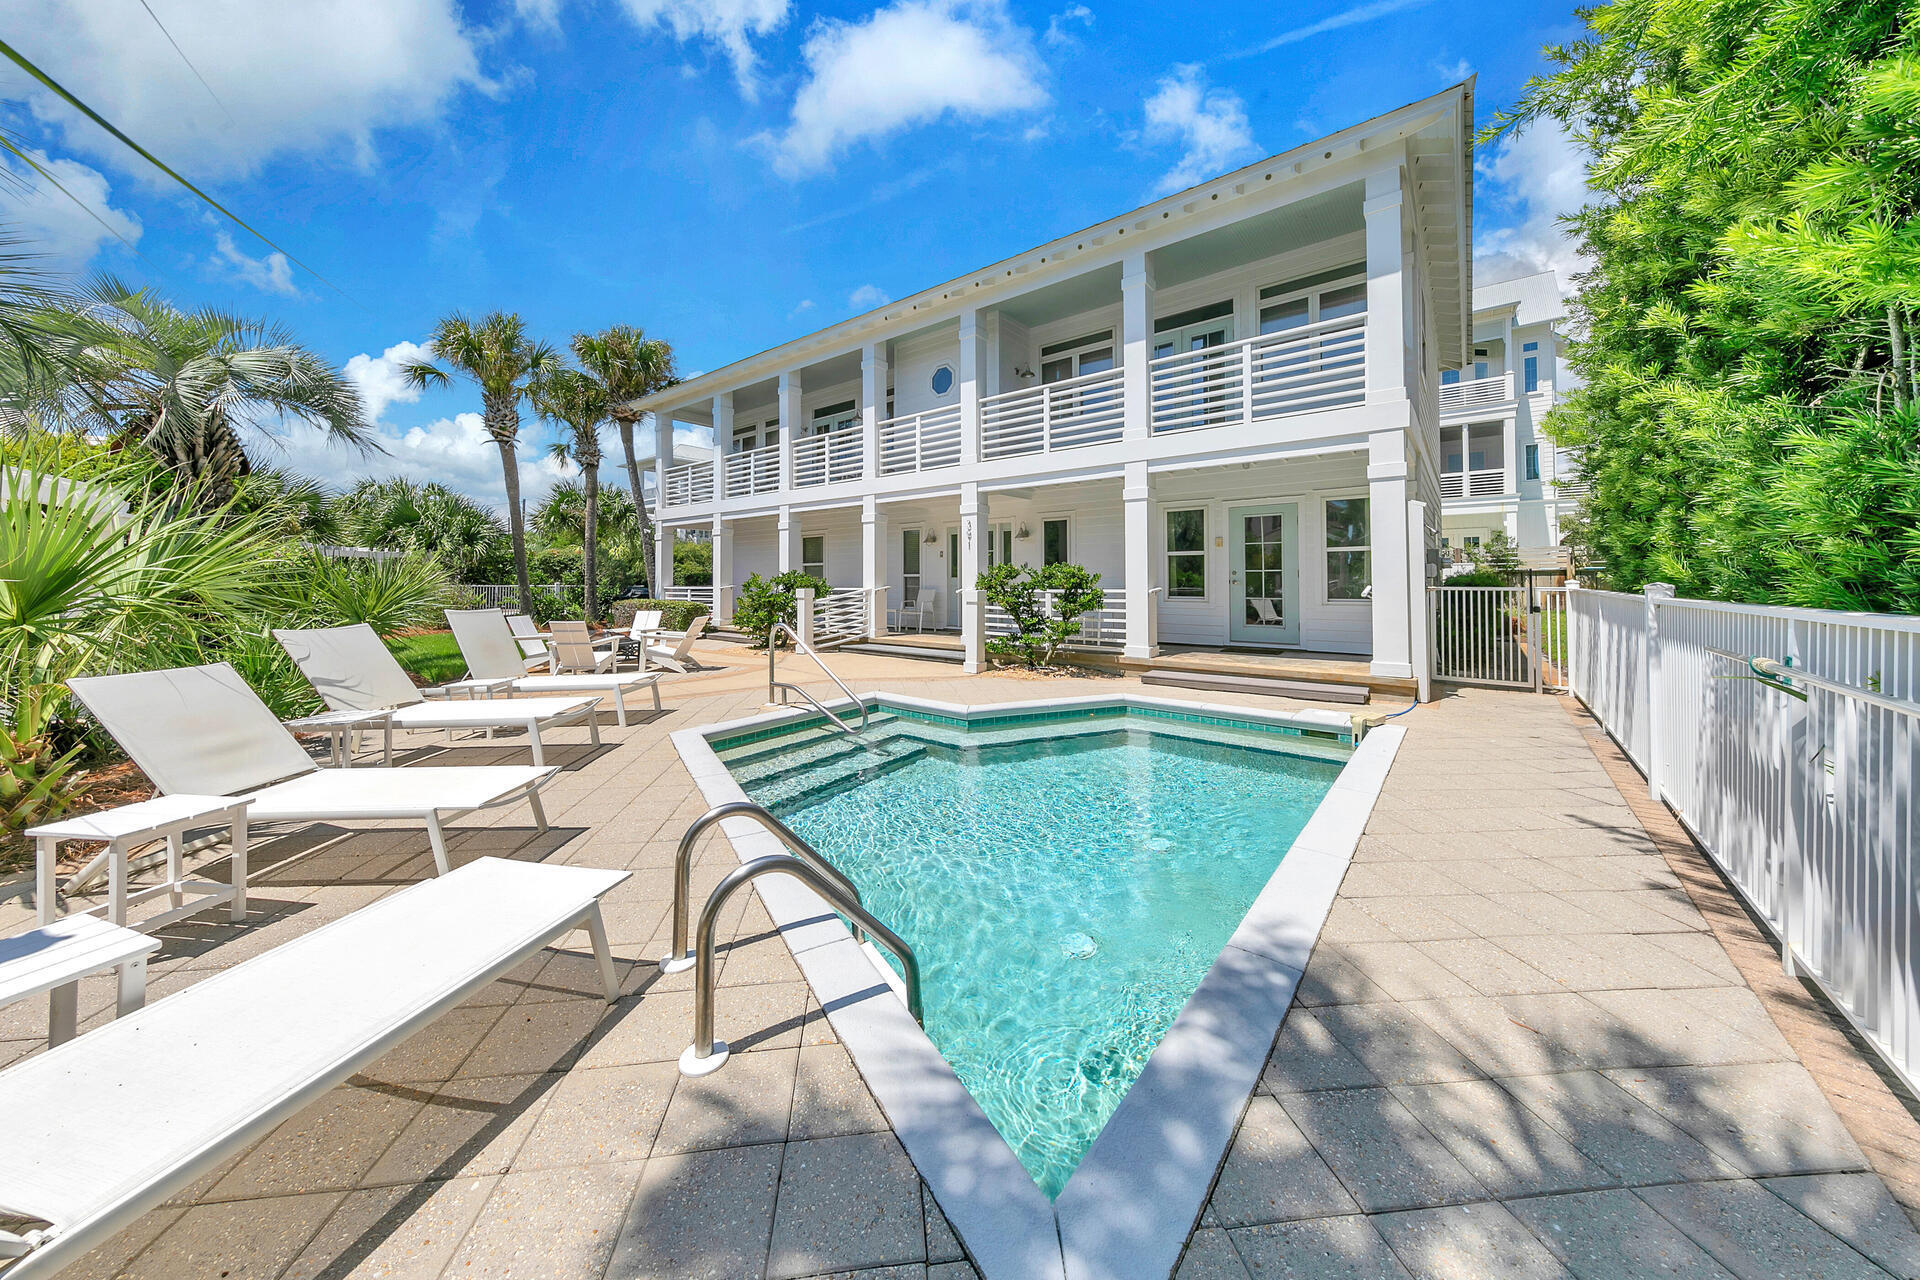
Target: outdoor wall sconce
pixel 931 540
pixel 1022 372
pixel 1023 533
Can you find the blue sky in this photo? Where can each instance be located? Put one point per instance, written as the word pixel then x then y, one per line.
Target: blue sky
pixel 727 174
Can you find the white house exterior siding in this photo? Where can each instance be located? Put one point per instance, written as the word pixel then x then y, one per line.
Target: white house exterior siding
pixel 1374 222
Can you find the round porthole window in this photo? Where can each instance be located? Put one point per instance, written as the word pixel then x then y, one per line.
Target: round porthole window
pixel 942 380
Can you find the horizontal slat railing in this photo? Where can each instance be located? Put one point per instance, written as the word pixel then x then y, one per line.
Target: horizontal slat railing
pixel 1102 628
pixel 1485 483
pixel 832 457
pixel 920 441
pixel 1476 393
pixel 703 594
pixel 753 471
pixel 1058 415
pixel 689 483
pixel 840 615
pixel 1303 370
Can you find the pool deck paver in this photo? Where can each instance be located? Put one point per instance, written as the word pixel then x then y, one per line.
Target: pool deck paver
pixel 1520 1048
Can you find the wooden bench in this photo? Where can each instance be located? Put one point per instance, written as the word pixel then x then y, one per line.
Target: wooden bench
pixel 53 959
pixel 108 1126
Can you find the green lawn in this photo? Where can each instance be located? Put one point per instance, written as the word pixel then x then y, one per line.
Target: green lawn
pixel 432 656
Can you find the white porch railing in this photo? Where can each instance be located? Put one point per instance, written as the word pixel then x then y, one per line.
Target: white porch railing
pixel 1488 482
pixel 1810 807
pixel 1102 628
pixel 830 458
pixel 840 615
pixel 1303 370
pixel 1058 415
pixel 920 441
pixel 1476 393
pixel 753 471
pixel 689 483
pixel 702 594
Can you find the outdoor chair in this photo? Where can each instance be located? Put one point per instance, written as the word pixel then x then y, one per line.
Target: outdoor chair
pixel 533 645
pixel 920 601
pixel 493 666
pixel 353 671
pixel 675 657
pixel 573 650
pixel 202 731
pixel 112 1124
pixel 1264 612
pixel 638 636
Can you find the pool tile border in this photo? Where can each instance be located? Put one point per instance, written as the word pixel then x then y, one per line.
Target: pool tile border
pixel 1129 1207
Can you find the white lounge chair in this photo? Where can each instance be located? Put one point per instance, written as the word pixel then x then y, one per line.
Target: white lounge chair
pixel 533 646
pixel 202 731
pixel 110 1125
pixel 674 657
pixel 1264 613
pixel 353 671
pixel 574 651
pixel 493 664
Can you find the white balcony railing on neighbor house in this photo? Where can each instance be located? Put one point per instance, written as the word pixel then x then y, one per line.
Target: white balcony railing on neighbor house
pixel 1059 415
pixel 1304 370
pixel 691 482
pixel 753 471
pixel 1489 482
pixel 1476 393
pixel 920 441
pixel 702 594
pixel 829 458
pixel 1569 481
pixel 1102 628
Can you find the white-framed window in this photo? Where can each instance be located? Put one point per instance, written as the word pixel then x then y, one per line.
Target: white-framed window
pixel 1187 554
pixel 831 417
pixel 942 380
pixel 1090 353
pixel 1055 542
pixel 813 555
pixel 910 565
pixel 1349 549
pixel 1327 295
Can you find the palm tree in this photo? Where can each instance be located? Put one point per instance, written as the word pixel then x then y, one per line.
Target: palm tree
pixel 629 366
pixel 496 355
pixel 578 402
pixel 431 519
pixel 188 385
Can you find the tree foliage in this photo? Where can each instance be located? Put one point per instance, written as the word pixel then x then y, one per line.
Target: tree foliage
pixel 765 601
pixel 1044 606
pixel 1746 329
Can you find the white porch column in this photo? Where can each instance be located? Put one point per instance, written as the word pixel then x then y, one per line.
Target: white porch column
pixel 1510 448
pixel 722 571
pixel 662 457
pixel 1136 347
pixel 789 409
pixel 1143 617
pixel 873 564
pixel 873 405
pixel 973 563
pixel 722 434
pixel 789 538
pixel 973 373
pixel 1387 338
pixel 663 541
pixel 1417 609
pixel 1388 491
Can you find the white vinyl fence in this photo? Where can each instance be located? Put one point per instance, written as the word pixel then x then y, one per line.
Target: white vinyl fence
pixel 1513 636
pixel 1799 774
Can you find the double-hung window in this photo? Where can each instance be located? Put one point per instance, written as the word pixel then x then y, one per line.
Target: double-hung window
pixel 1531 366
pixel 1053 541
pixel 1187 554
pixel 813 555
pixel 1349 549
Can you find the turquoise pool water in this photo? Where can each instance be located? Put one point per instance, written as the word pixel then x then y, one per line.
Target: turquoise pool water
pixel 1065 885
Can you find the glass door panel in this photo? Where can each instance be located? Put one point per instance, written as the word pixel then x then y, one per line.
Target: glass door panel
pixel 1264 574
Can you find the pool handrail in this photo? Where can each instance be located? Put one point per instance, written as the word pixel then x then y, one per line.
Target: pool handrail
pixel 801 646
pixel 706 1055
pixel 681 957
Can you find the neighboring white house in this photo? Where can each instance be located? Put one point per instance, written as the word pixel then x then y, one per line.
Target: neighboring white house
pixel 1498 470
pixel 1226 402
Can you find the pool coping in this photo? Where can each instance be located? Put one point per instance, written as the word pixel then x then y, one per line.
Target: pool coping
pixel 1129 1207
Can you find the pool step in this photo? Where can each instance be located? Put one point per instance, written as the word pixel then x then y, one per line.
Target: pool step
pixel 1308 690
pixel 751 753
pixel 773 766
pixel 810 785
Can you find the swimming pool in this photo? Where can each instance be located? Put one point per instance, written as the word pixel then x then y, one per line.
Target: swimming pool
pixel 1066 879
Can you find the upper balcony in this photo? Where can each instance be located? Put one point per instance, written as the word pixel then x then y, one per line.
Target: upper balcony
pixel 1489 397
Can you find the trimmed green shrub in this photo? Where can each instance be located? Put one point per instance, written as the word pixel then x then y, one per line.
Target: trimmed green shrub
pixel 1038 632
pixel 765 601
pixel 677 615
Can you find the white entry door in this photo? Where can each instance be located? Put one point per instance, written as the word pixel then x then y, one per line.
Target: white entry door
pixel 1264 574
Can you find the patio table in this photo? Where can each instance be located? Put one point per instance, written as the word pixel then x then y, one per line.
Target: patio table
pixel 132 824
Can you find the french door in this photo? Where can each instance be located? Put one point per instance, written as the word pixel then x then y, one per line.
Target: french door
pixel 1264 574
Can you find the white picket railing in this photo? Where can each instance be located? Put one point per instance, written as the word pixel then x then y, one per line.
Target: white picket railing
pixel 689 483
pixel 920 441
pixel 1303 370
pixel 1484 483
pixel 1476 393
pixel 1102 628
pixel 1808 800
pixel 753 471
pixel 832 457
pixel 1057 415
pixel 1514 636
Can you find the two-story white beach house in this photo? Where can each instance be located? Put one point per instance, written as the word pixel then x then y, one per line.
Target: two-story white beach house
pixel 1498 470
pixel 1226 402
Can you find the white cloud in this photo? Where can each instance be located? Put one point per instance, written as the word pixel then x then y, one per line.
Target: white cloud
pixel 910 63
pixel 726 23
pixel 456 452
pixel 271 274
pixel 868 296
pixel 49 224
pixel 1060 27
pixel 380 379
pixel 1454 73
pixel 1210 123
pixel 1332 22
pixel 1526 183
pixel 301 78
pixel 800 308
pixel 539 13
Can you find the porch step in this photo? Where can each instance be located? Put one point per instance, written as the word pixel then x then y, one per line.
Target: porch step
pixel 926 653
pixel 1310 690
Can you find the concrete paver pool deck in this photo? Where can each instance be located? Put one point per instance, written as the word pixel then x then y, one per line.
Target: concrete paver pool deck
pixel 1520 1049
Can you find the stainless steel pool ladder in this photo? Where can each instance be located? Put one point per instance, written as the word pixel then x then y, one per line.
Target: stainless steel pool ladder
pixel 805 864
pixel 801 646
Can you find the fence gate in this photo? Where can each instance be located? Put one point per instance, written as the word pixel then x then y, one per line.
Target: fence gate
pixel 1514 637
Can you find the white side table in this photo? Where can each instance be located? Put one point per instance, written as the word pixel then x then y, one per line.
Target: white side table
pixel 492 688
pixel 131 824
pixel 340 725
pixel 54 957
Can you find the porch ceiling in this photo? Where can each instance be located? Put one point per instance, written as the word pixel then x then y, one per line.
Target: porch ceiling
pixel 1291 226
pixel 1069 297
